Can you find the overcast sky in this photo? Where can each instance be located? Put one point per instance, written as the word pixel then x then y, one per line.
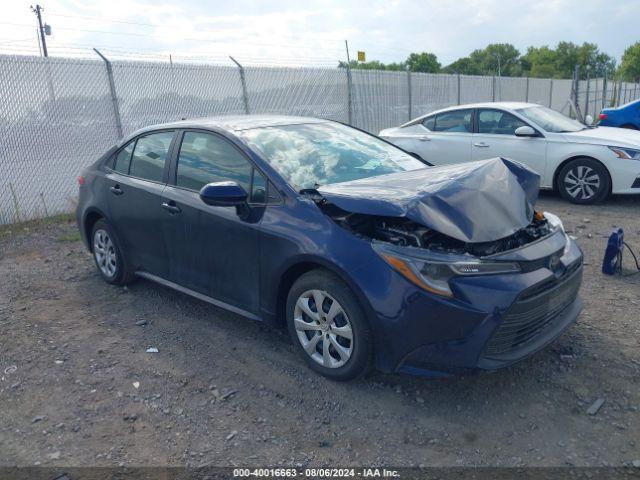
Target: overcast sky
pixel 313 31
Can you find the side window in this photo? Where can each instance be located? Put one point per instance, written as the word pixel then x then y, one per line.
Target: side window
pixel 258 188
pixel 455 121
pixel 123 159
pixel 429 123
pixel 498 122
pixel 206 158
pixel 149 156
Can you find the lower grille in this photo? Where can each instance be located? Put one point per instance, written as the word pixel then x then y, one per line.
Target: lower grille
pixel 534 310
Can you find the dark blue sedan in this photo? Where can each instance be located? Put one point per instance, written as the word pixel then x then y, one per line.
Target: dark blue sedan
pixel 366 254
pixel 624 116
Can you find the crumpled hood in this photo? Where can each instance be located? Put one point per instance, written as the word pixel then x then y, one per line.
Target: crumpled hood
pixel 473 202
pixel 615 137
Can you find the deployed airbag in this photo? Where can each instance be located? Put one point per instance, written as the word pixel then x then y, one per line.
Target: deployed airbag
pixel 473 202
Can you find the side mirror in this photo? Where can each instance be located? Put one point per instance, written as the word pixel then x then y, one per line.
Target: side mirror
pixel 525 131
pixel 588 120
pixel 223 194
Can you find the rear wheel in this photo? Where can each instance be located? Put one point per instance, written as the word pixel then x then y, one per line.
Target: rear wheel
pixel 108 255
pixel 328 327
pixel 584 181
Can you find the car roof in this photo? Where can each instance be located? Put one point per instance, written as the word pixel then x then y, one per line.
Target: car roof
pixel 233 123
pixel 504 105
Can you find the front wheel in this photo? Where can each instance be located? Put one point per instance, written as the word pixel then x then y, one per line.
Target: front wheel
pixel 584 181
pixel 328 326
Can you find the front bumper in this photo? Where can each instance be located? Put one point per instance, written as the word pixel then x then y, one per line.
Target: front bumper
pixel 625 176
pixel 493 321
pixel 504 338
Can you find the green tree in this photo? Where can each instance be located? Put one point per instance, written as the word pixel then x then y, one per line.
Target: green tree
pixel 561 61
pixel 539 62
pixel 464 66
pixel 498 56
pixel 630 64
pixel 423 62
pixel 486 61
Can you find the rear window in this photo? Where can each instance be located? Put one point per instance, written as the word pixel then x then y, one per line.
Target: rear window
pixel 123 159
pixel 149 155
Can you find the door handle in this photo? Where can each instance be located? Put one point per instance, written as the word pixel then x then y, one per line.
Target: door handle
pixel 424 138
pixel 481 144
pixel 171 207
pixel 116 190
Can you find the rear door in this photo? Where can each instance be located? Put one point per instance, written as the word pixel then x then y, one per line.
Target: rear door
pixel 496 137
pixel 214 250
pixel 135 197
pixel 447 137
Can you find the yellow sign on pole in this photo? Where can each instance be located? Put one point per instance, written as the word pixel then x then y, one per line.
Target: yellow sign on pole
pixel 362 57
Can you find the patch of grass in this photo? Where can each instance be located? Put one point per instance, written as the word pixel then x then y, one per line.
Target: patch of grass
pixel 70 237
pixel 30 225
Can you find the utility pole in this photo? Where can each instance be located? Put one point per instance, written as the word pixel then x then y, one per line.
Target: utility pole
pixel 38 11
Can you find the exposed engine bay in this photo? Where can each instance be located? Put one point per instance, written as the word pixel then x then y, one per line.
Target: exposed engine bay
pixel 403 232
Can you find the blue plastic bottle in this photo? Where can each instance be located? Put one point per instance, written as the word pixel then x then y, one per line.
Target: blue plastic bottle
pixel 614 246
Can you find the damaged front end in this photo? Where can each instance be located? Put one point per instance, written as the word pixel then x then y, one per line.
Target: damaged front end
pixel 407 233
pixel 437 223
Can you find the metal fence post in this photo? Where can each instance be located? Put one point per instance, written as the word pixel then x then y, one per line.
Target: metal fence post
pixel 409 92
pixel 526 94
pixel 550 92
pixel 243 81
pixel 493 88
pixel 112 91
pixel 459 103
pixel 604 90
pixel 576 86
pixel 586 99
pixel 619 92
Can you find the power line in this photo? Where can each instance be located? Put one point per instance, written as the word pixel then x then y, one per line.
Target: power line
pixel 164 36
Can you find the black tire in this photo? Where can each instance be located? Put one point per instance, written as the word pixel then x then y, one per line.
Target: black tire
pixel 361 345
pixel 588 170
pixel 121 274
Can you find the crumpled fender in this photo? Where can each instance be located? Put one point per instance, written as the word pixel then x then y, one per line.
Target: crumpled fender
pixel 478 201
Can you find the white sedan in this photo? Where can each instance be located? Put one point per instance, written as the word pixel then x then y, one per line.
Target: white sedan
pixel 585 164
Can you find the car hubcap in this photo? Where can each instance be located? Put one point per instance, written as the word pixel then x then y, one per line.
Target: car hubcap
pixel 323 328
pixel 582 182
pixel 105 253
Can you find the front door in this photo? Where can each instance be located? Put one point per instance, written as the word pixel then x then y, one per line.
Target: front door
pixel 496 137
pixel 213 250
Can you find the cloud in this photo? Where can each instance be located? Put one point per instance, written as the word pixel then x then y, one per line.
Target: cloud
pixel 314 31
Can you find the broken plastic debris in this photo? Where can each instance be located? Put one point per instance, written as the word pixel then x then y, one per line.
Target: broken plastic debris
pixel 136 384
pixel 152 350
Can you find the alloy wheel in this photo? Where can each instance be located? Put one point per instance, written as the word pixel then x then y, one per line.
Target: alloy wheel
pixel 105 253
pixel 323 328
pixel 582 182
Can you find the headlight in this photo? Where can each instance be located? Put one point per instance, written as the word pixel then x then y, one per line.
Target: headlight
pixel 554 220
pixel 434 276
pixel 626 153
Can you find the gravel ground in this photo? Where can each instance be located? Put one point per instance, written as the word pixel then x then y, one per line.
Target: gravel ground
pixel 77 387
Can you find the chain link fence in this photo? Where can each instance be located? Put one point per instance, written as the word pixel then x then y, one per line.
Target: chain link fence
pixel 58 115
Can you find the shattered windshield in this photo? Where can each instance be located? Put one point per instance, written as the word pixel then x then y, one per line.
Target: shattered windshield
pixel 314 154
